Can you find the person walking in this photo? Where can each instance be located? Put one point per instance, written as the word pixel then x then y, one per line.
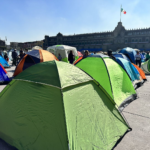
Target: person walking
pixel 71 57
pixel 15 57
pixel 138 59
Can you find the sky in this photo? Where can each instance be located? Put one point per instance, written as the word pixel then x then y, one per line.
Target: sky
pixel 31 20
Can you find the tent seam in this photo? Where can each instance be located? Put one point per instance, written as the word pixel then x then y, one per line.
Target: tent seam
pixel 38 83
pixel 108 75
pixel 63 104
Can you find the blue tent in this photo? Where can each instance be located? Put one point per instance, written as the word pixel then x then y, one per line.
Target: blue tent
pixel 130 53
pixel 3 75
pixel 129 68
pixel 4 62
pixel 120 55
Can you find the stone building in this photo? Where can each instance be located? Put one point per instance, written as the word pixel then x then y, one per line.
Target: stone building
pixel 2 45
pixel 117 39
pixel 30 45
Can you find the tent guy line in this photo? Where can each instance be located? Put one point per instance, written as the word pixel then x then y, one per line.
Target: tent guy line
pixel 136 114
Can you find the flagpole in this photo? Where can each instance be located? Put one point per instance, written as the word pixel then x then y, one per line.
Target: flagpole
pixel 120 13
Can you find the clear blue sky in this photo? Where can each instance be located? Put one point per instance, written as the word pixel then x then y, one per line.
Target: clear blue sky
pixel 31 20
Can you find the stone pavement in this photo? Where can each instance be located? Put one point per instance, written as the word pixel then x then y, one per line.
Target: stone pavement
pixel 137 114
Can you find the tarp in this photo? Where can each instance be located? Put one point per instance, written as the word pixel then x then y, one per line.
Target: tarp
pixel 3 75
pixel 116 82
pixel 130 53
pixel 54 104
pixel 4 62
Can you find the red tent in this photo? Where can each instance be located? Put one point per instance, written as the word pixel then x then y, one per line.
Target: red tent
pixel 80 54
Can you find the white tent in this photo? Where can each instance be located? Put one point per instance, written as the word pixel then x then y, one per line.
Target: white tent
pixel 63 50
pixel 37 47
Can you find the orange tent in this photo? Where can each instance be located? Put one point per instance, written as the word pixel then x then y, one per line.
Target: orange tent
pixel 78 60
pixel 33 57
pixel 141 72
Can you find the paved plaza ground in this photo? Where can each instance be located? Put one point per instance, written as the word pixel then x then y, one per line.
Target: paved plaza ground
pixel 138 116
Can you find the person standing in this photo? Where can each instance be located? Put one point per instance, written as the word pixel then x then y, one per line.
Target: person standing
pixel 138 59
pixel 147 56
pixel 110 54
pixel 59 57
pixel 86 53
pixel 71 57
pixel 15 57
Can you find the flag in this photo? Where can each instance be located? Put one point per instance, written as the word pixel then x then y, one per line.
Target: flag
pixel 123 11
pixel 5 38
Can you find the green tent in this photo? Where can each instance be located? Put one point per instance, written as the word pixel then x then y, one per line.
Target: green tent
pixel 146 67
pixel 111 76
pixel 54 104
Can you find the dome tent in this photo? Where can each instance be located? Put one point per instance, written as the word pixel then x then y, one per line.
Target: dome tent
pixel 116 82
pixel 3 75
pixel 37 48
pixel 63 50
pixel 146 67
pixel 131 70
pixel 141 72
pixel 33 57
pixel 59 109
pixel 130 53
pixel 120 55
pixel 4 62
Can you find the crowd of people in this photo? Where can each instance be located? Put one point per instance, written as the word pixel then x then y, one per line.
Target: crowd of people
pixel 15 57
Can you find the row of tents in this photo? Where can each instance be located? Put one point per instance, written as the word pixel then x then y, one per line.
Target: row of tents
pixel 52 104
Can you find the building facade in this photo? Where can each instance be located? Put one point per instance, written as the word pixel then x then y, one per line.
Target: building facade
pixel 117 39
pixel 2 45
pixel 25 45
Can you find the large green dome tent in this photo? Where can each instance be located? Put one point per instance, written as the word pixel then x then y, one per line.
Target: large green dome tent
pixel 111 76
pixel 53 104
pixel 146 67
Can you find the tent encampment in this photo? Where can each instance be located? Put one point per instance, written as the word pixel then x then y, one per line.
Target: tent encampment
pixel 3 75
pixel 131 70
pixel 146 67
pixel 130 53
pixel 54 104
pixel 4 62
pixel 33 57
pixel 111 76
pixel 64 51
